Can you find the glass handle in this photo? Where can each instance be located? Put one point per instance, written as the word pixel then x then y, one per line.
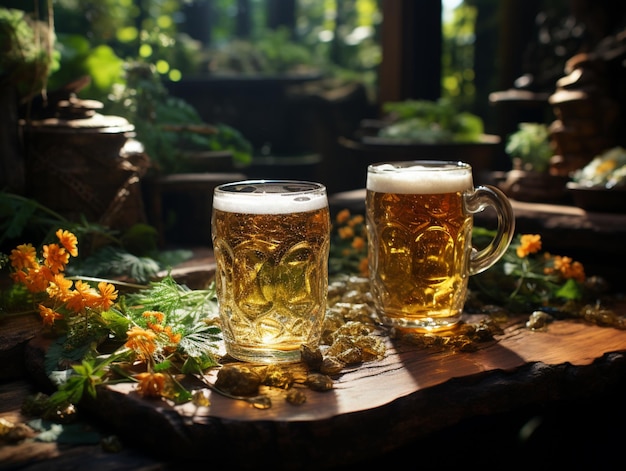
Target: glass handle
pixel 476 201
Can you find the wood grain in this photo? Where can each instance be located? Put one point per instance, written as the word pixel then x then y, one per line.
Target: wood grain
pixel 378 406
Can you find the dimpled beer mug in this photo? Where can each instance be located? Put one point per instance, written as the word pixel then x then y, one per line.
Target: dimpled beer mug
pixel 271 240
pixel 419 226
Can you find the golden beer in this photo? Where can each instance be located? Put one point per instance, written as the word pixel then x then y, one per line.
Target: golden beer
pixel 420 251
pixel 271 242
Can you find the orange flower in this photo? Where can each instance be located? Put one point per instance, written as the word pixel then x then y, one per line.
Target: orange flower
pixel 19 277
pixel 158 316
pixel 569 268
pixel 23 257
pixel 529 243
pixel 82 297
pixel 358 243
pixel 36 280
pixel 174 338
pixel 151 384
pixel 107 295
pixel 48 315
pixel 59 287
pixel 68 241
pixel 342 216
pixel 356 220
pixel 55 257
pixel 142 341
pixel 346 232
pixel 577 272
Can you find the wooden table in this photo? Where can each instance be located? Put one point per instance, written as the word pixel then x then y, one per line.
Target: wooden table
pixel 376 412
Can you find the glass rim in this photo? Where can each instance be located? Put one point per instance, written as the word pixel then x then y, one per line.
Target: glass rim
pixel 281 185
pixel 418 166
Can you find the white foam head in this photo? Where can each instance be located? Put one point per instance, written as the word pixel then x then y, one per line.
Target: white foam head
pixel 268 199
pixel 419 179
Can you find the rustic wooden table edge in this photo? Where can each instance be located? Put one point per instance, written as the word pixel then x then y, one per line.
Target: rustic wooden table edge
pixel 570 360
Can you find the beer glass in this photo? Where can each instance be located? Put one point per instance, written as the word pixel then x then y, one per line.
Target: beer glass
pixel 271 240
pixel 420 253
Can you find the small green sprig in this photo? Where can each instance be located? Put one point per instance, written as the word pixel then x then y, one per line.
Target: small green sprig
pixel 525 278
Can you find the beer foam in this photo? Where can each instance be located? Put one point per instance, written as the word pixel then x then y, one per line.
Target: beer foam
pixel 418 179
pixel 268 203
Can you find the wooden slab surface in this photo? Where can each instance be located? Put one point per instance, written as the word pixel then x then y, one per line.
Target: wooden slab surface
pixel 374 408
pixel 378 406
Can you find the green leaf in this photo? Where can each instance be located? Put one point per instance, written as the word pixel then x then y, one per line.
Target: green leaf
pixel 196 365
pixel 163 366
pixel 70 392
pixel 84 369
pixel 58 353
pixel 116 322
pixel 570 290
pixel 104 67
pixel 178 393
pixel 112 261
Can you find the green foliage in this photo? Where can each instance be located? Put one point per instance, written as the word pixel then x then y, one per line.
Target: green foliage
pixel 181 305
pixel 85 376
pixel 457 56
pixel 531 145
pixel 114 262
pixel 233 140
pixel 164 124
pixel 271 54
pixel 522 284
pixel 430 122
pixel 28 56
pixel 78 57
pixel 104 252
pixel 187 312
pixel 27 220
pixel 140 239
pixel 16 298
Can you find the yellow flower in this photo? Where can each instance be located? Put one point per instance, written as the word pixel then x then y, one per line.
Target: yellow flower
pixel 154 320
pixel 173 337
pixel 345 232
pixel 568 268
pixel 158 316
pixel 59 287
pixel 342 216
pixel 356 220
pixel 358 243
pixel 529 243
pixel 55 257
pixel 81 297
pixel 68 241
pixel 107 295
pixel 165 333
pixel 142 341
pixel 36 280
pixel 151 384
pixel 24 257
pixel 48 315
